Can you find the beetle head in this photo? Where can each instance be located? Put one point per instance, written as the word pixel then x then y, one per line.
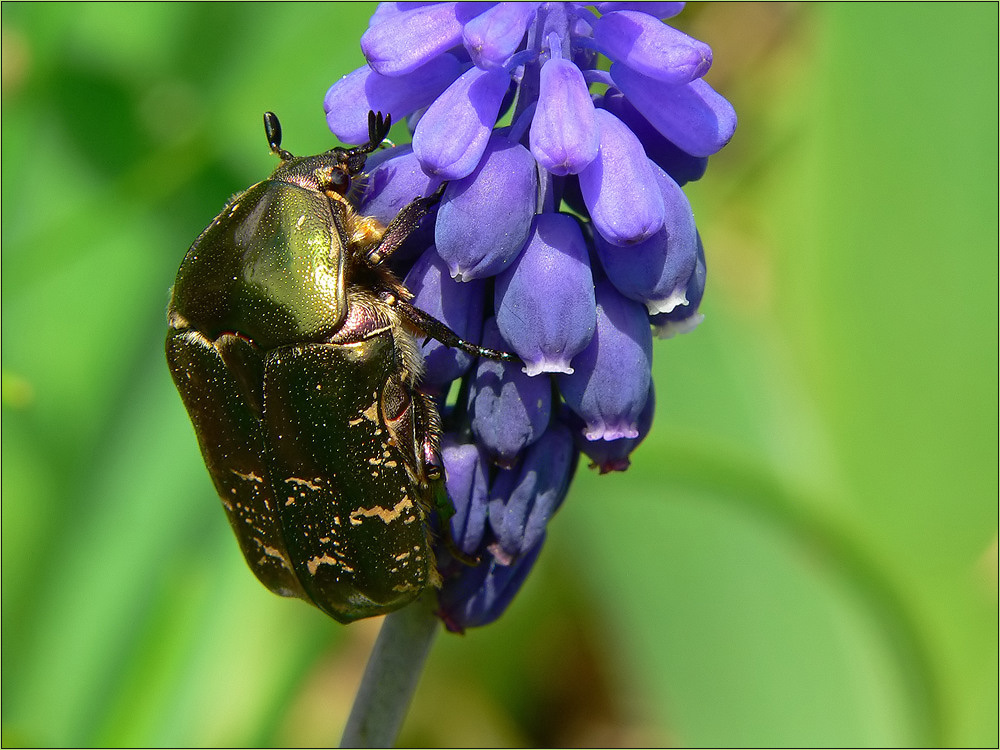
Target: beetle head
pixel 332 171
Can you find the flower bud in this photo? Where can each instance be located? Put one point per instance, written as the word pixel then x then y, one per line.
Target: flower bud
pixel 685 318
pixel 493 36
pixel 657 10
pixel 485 218
pixel 348 101
pixel 399 43
pixel 481 593
pixel 509 410
pixel 693 115
pixel 545 301
pixel 394 178
pixel 680 165
pixel 650 47
pixel 656 271
pixel 621 169
pixel 523 499
pixel 456 304
pixel 466 481
pixel 610 382
pixel 613 455
pixel 452 134
pixel 564 136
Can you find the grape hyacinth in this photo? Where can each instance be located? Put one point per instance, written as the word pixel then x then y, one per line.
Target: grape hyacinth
pixel 563 236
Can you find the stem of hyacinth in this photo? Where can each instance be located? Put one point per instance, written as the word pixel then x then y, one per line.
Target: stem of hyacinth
pixel 391 676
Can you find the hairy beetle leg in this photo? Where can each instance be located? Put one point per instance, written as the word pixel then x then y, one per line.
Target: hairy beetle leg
pixel 438 330
pixel 402 226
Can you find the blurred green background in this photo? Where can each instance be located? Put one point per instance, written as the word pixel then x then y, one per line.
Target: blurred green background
pixel 804 552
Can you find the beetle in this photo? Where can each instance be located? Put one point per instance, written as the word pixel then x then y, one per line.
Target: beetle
pixel 295 351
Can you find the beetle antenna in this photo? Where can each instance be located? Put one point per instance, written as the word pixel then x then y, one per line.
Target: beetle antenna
pixel 272 129
pixel 378 129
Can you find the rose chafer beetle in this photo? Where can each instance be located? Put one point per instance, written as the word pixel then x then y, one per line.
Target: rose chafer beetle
pixel 295 351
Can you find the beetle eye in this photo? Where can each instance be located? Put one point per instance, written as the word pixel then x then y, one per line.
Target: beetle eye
pixel 340 181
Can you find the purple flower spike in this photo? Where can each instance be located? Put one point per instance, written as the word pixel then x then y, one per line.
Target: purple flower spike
pixel 545 301
pixel 657 10
pixel 610 384
pixel 493 36
pixel 693 116
pixel 485 218
pixel 348 101
pixel 621 169
pixel 576 297
pixel 481 593
pixel 399 43
pixel 564 136
pixel 686 318
pixel 452 134
pixel 652 48
pixel 458 305
pixel 523 500
pixel 466 481
pixel 509 410
pixel 680 165
pixel 613 455
pixel 656 272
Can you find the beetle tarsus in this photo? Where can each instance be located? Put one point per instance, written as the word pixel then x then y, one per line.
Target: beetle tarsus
pixel 436 195
pixel 434 328
pixel 402 226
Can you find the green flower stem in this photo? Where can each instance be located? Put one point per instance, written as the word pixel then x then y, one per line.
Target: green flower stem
pixel 391 676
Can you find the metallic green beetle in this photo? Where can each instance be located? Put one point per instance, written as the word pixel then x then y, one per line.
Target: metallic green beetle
pixel 294 351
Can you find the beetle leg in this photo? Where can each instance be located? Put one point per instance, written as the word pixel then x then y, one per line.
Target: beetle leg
pixel 402 226
pixel 434 328
pixel 429 424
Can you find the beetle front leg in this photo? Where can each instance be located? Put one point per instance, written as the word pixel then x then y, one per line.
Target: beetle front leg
pixel 434 328
pixel 402 226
